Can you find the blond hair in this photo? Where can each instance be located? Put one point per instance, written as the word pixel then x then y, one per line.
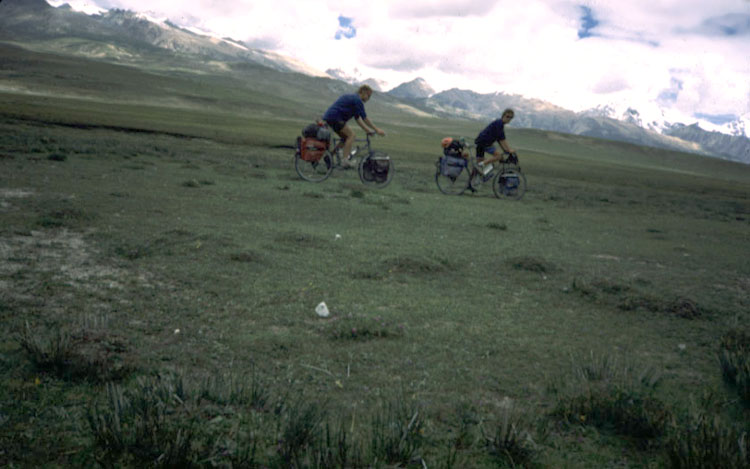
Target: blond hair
pixel 364 89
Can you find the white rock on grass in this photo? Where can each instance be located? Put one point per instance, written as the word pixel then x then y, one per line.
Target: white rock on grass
pixel 322 310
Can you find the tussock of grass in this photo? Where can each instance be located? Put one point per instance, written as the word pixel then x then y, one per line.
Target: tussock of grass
pixel 85 354
pixel 734 358
pixel 629 298
pixel 497 226
pixel 415 265
pixel 299 239
pixel 191 183
pixel 362 328
pixel 57 157
pixel 511 444
pixel 68 217
pixel 609 395
pixel 171 421
pixel 532 264
pixel 708 441
pixel 250 257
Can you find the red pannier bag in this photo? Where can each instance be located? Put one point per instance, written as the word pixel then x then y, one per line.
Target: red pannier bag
pixel 312 149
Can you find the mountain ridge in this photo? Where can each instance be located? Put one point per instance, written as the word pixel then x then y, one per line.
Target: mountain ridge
pixel 120 35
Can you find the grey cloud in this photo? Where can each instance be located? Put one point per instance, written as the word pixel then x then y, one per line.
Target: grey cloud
pixel 428 9
pixel 729 25
pixel 267 43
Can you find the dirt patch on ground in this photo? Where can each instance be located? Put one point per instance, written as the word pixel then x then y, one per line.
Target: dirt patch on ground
pixel 49 266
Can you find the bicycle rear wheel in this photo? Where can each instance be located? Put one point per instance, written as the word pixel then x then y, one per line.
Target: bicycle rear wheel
pixel 376 169
pixel 314 171
pixel 510 183
pixel 452 185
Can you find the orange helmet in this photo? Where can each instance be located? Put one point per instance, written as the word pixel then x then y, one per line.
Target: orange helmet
pixel 446 141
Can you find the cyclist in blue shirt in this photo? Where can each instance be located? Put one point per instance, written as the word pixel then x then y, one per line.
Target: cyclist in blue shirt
pixel 494 132
pixel 346 107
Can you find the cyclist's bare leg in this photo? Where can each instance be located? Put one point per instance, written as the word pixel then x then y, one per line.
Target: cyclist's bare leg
pixel 347 134
pixel 494 155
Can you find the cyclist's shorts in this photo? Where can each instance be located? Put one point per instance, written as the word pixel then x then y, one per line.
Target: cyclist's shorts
pixel 336 125
pixel 482 150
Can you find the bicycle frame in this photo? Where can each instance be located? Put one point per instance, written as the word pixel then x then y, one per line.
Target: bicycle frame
pixel 338 144
pixel 375 168
pixel 506 178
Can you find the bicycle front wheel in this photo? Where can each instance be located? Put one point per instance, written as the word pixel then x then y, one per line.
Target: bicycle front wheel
pixel 509 183
pixel 452 185
pixel 314 171
pixel 376 169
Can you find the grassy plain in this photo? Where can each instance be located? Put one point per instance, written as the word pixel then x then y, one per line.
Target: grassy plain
pixel 161 263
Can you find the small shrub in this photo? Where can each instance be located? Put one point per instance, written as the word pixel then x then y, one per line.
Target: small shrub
pixel 191 183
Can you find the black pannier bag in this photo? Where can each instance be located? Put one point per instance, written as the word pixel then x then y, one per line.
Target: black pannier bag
pixel 317 130
pixel 455 148
pixel 375 168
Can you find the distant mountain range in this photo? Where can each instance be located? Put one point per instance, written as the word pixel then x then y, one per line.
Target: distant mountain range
pixel 598 123
pixel 118 35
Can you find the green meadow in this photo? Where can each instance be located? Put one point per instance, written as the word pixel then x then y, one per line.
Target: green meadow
pixel 161 262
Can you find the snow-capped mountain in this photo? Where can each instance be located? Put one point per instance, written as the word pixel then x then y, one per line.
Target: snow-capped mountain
pixel 123 35
pixel 355 78
pixel 415 89
pixel 651 116
pixel 728 138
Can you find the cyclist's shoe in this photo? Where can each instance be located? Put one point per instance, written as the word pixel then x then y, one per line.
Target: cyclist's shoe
pixel 484 169
pixel 348 163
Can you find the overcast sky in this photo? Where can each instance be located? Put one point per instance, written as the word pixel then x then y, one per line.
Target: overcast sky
pixel 686 55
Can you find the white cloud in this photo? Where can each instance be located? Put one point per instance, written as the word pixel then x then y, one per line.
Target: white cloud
pixel 636 53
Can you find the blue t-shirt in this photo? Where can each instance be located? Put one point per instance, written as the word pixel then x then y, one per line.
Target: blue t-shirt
pixel 491 134
pixel 346 107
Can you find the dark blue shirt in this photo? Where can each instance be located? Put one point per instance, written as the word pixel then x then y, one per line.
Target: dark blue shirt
pixel 491 134
pixel 346 107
